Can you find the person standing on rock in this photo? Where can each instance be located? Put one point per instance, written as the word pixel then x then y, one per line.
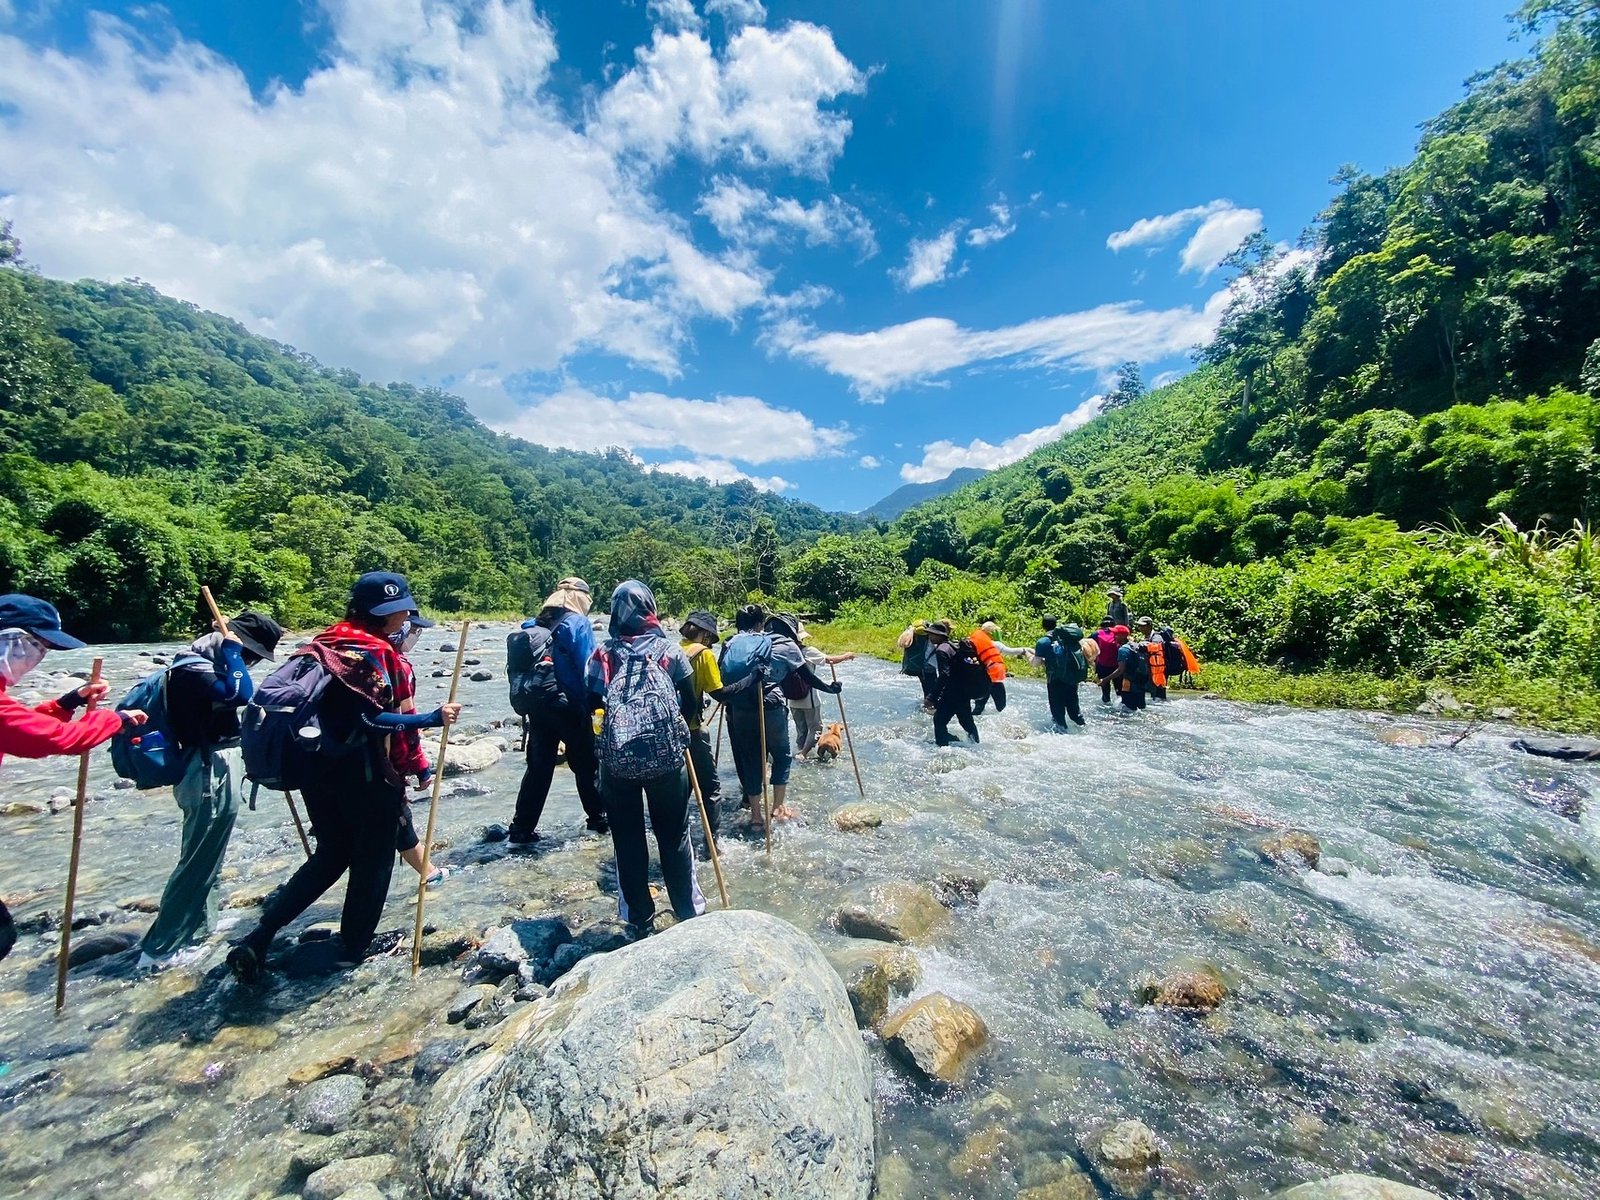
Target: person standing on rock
pixel 29 629
pixel 699 632
pixel 355 799
pixel 566 722
pixel 204 696
pixel 1116 610
pixel 645 684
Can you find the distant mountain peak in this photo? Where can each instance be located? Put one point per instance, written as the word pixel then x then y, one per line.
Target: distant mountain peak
pixel 912 494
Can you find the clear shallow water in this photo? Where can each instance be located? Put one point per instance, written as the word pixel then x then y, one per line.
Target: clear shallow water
pixel 1424 1006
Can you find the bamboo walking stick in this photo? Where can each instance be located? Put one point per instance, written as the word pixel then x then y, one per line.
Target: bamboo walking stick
pixel 433 804
pixel 761 720
pixel 72 867
pixel 705 823
pixel 722 710
pixel 849 741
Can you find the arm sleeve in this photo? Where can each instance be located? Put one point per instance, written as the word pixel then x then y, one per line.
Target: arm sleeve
pixel 232 684
pixel 387 721
pixel 37 733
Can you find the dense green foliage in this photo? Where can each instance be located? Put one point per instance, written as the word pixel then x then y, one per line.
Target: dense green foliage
pixel 147 447
pixel 1386 462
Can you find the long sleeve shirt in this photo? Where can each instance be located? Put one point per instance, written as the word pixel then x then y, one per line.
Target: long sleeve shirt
pixel 49 728
pixel 204 699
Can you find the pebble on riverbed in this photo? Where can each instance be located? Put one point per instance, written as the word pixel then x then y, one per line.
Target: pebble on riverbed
pixel 1294 848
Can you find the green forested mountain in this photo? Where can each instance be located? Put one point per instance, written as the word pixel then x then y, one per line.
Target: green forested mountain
pixel 1387 459
pixel 147 447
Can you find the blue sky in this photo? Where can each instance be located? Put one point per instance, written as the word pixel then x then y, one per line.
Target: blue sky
pixel 828 246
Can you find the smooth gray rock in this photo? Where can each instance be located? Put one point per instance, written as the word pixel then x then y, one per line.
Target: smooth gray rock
pixel 469 758
pixel 339 1178
pixel 719 1058
pixel 328 1105
pixel 507 948
pixel 1354 1187
pixel 467 1001
pixel 364 1191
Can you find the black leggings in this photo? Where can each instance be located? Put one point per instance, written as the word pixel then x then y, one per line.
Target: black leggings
pixel 667 797
pixel 547 731
pixel 356 820
pixel 997 690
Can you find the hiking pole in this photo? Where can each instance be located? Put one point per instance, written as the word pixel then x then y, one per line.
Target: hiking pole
pixel 722 710
pixel 433 804
pixel 761 720
pixel 294 812
pixel 705 823
pixel 849 741
pixel 216 613
pixel 72 867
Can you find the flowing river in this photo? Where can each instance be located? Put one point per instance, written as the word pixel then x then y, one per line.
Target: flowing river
pixel 1425 1005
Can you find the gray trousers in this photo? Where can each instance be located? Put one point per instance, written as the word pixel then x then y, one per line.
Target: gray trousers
pixel 808 724
pixel 208 794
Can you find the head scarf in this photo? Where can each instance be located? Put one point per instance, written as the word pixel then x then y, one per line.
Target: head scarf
pixel 633 610
pixel 571 594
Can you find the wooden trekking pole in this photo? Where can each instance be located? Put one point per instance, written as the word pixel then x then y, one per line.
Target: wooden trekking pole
pixel 433 804
pixel 216 613
pixel 761 721
pixel 705 823
pixel 294 812
pixel 722 711
pixel 72 865
pixel 849 741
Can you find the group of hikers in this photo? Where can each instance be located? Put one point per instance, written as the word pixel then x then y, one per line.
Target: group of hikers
pixel 338 722
pixel 961 675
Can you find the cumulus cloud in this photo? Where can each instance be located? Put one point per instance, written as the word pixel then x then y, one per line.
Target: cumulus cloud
pixel 745 214
pixel 761 101
pixel 942 457
pixel 720 470
pixel 738 12
pixel 674 14
pixel 1219 227
pixel 869 462
pixel 1095 339
pixel 928 261
pixel 1003 226
pixel 732 427
pixel 422 204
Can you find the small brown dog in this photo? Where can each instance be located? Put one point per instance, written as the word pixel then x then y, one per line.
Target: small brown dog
pixel 828 743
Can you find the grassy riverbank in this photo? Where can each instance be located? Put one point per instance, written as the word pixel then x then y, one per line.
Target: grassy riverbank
pixel 1538 703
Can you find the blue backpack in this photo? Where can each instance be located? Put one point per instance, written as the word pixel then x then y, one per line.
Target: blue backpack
pixel 146 753
pixel 747 654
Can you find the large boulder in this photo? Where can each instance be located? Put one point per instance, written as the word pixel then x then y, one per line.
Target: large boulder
pixel 1354 1187
pixel 893 911
pixel 719 1058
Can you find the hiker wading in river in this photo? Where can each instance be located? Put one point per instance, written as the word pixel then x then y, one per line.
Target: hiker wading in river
pixel 206 689
pixel 355 795
pixel 30 629
pixel 645 684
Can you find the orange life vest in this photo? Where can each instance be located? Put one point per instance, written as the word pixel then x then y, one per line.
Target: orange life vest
pixel 991 658
pixel 1187 660
pixel 1155 653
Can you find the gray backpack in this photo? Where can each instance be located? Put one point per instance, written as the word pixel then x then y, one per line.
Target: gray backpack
pixel 644 734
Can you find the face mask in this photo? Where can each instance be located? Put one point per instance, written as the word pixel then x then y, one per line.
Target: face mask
pixel 19 653
pixel 406 637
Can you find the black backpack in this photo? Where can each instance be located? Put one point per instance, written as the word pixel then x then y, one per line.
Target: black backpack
pixel 531 669
pixel 284 734
pixel 967 672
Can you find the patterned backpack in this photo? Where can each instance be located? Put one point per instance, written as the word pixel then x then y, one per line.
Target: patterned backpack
pixel 644 734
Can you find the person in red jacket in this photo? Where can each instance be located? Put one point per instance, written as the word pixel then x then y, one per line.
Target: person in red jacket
pixel 29 629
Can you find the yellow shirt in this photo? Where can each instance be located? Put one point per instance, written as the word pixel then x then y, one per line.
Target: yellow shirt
pixel 707 675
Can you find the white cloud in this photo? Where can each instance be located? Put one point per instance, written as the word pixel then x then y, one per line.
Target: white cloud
pixel 869 462
pixel 734 427
pixel 928 261
pixel 1222 226
pixel 720 470
pixel 1002 227
pixel 748 215
pixel 1095 339
pixel 423 204
pixel 760 101
pixel 942 457
pixel 738 12
pixel 674 14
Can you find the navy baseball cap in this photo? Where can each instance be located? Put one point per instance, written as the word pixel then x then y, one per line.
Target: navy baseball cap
pixel 39 618
pixel 382 594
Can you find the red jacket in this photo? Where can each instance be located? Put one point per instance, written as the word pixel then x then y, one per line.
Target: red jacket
pixel 50 729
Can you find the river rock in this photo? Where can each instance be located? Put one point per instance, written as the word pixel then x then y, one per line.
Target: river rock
pixel 867 984
pixel 857 818
pixel 434 1059
pixel 1068 1183
pixel 984 1155
pixel 310 1157
pixel 20 808
pixel 1569 750
pixel 718 1058
pixel 1292 848
pixel 505 949
pixel 1128 1145
pixel 936 1036
pixel 328 1105
pixel 481 676
pixel 471 757
pixel 467 1000
pixel 895 911
pixel 1354 1187
pixel 1199 988
pixel 954 891
pixel 494 833
pixel 100 945
pixel 341 1177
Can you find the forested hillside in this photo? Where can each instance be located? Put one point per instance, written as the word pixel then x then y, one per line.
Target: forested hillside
pixel 1387 459
pixel 147 447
